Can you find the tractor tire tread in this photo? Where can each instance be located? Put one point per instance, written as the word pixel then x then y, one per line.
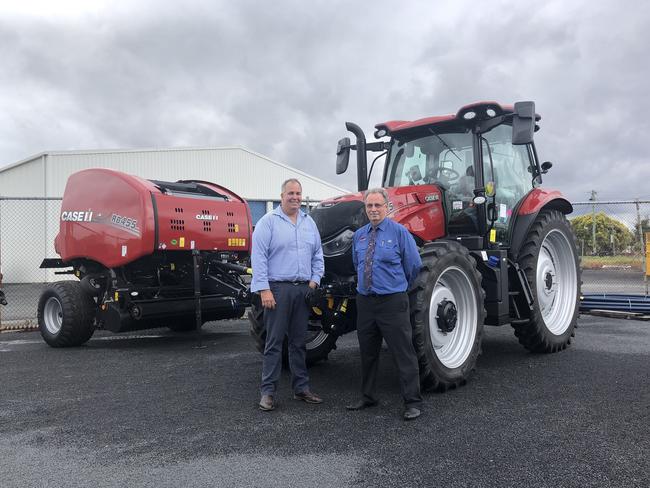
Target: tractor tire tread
pixel 430 254
pixel 532 334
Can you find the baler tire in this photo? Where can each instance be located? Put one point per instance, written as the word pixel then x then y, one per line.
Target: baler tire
pixel 550 251
pixel 448 274
pixel 315 351
pixel 66 314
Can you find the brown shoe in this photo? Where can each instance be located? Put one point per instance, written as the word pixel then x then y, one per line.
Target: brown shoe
pixel 307 396
pixel 266 403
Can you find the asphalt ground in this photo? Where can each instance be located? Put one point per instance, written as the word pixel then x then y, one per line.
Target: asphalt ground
pixel 151 410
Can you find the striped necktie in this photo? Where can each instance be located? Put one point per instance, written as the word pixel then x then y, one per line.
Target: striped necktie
pixel 367 265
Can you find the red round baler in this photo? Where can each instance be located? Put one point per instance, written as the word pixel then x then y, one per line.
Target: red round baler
pixel 147 254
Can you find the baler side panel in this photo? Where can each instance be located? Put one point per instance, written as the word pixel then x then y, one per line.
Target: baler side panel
pixel 202 223
pixel 107 217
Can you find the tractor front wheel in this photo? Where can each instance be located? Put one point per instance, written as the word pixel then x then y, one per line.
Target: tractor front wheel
pixel 319 343
pixel 549 258
pixel 66 314
pixel 447 315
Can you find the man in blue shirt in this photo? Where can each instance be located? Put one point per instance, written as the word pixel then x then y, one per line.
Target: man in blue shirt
pixel 387 262
pixel 287 260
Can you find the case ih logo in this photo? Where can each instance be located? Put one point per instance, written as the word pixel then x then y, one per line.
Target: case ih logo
pixel 206 217
pixel 77 216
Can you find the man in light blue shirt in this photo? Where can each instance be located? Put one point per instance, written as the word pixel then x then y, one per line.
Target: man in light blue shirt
pixel 287 261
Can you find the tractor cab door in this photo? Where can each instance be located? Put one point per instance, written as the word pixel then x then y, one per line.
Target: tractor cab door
pixel 508 171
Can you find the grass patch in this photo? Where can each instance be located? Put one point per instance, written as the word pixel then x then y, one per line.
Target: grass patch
pixel 598 262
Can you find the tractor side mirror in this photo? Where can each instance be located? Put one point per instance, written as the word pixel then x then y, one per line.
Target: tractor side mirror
pixel 342 155
pixel 546 165
pixel 523 123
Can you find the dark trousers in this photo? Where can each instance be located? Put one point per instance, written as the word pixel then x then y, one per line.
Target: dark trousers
pixel 387 317
pixel 289 318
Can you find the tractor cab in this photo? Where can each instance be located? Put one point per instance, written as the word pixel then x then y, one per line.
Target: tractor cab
pixel 482 158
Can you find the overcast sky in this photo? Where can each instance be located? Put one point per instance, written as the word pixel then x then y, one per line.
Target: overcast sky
pixel 282 77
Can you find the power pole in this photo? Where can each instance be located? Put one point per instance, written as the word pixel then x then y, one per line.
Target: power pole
pixel 593 221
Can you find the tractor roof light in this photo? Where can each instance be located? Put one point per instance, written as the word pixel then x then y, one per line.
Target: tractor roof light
pixel 381 133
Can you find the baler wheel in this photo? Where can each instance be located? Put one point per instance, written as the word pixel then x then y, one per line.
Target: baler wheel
pixel 66 314
pixel 549 257
pixel 447 315
pixel 319 344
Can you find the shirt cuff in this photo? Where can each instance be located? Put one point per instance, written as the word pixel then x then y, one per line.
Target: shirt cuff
pixel 262 285
pixel 316 279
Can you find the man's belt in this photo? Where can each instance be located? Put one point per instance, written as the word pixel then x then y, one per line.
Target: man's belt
pixel 292 282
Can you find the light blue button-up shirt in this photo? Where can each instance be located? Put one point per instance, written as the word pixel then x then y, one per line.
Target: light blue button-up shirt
pixel 284 251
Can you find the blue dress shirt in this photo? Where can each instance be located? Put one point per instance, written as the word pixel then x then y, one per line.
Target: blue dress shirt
pixel 284 251
pixel 396 262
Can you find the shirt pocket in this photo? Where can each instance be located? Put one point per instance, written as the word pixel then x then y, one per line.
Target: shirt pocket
pixel 360 249
pixel 307 237
pixel 387 252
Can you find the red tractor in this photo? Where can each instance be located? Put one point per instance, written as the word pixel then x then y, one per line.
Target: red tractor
pixel 496 248
pixel 146 254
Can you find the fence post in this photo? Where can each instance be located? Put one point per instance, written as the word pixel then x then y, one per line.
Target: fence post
pixel 593 222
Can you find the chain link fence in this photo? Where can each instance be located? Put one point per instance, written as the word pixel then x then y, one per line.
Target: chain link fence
pixel 610 237
pixel 27 230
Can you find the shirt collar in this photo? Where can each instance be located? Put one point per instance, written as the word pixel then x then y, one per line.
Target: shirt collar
pixel 382 225
pixel 278 211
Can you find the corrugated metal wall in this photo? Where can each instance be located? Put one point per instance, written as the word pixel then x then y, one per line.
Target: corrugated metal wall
pixel 25 179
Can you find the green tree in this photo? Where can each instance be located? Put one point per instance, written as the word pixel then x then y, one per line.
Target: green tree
pixel 612 236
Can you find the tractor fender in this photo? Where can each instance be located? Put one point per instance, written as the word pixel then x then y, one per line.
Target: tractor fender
pixel 536 201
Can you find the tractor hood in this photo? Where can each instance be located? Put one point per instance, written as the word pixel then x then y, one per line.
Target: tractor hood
pixel 417 207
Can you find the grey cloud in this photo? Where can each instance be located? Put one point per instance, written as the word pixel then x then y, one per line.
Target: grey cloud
pixel 282 78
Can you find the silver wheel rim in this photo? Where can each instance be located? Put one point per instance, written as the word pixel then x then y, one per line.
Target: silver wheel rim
pixel 556 282
pixel 453 348
pixel 316 336
pixel 53 315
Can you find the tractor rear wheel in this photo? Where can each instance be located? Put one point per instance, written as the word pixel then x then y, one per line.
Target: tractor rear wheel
pixel 549 257
pixel 447 315
pixel 66 314
pixel 319 343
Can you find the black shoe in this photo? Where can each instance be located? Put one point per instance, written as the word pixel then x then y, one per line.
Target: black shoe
pixel 361 404
pixel 411 413
pixel 266 403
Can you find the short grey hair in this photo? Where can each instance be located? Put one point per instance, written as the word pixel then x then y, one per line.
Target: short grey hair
pixel 379 191
pixel 290 180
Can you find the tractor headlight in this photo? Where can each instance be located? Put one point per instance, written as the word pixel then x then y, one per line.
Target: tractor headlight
pixel 339 244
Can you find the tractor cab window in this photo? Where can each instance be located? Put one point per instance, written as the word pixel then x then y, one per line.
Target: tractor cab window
pixel 442 158
pixel 437 158
pixel 510 173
